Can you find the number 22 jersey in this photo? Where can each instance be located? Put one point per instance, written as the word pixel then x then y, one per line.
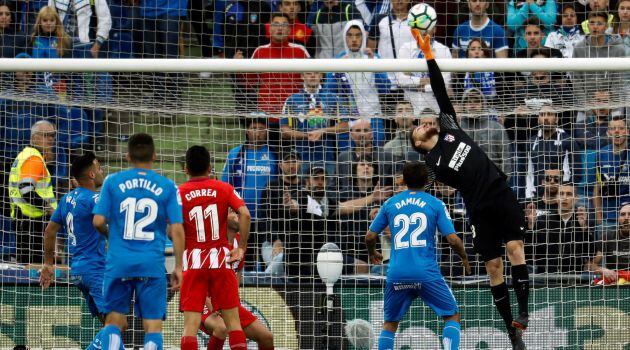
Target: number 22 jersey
pixel 205 204
pixel 138 204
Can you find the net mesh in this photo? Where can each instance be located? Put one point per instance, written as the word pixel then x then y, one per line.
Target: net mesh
pixel 271 134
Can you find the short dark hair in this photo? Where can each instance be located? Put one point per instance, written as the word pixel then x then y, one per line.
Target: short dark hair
pixel 279 14
pixel 484 47
pixel 534 21
pixel 541 51
pixel 602 14
pixel 415 175
pixel 355 26
pixel 197 160
pixel 141 147
pixel 81 164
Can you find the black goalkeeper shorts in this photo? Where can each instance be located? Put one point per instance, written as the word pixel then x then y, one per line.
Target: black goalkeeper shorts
pixel 499 220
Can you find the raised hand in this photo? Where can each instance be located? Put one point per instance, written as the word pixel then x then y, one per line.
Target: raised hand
pixel 424 43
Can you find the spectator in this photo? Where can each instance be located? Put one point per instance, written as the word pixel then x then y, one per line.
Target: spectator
pixel 551 147
pixel 32 194
pixel 486 132
pixel 313 209
pixel 312 121
pixel 622 24
pixel 547 202
pixel 299 33
pixel 49 39
pixel 599 6
pixel 561 241
pixel 416 85
pixel 390 31
pixel 598 44
pixel 89 34
pixel 611 260
pixel 534 35
pixel 613 173
pixel 521 12
pixel 591 126
pixel 274 88
pixel 355 204
pixel 328 26
pixel 239 26
pixel 480 26
pixel 12 42
pixel 287 185
pixel 359 90
pixel 372 9
pixel 400 146
pixel 567 34
pixel 250 167
pixel 490 83
pixel 363 144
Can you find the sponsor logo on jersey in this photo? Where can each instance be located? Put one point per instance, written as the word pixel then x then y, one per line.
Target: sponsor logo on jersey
pixel 460 155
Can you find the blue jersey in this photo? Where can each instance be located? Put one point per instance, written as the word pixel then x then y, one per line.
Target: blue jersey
pixel 413 217
pixel 492 33
pixel 138 204
pixel 85 244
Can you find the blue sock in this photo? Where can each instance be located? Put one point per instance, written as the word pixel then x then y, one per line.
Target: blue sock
pixel 386 340
pixel 153 341
pixel 111 338
pixel 450 335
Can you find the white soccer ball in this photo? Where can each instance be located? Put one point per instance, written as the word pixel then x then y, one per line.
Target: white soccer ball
pixel 360 334
pixel 423 17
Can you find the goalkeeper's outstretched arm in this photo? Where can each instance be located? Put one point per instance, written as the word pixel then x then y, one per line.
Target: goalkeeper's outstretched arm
pixel 448 119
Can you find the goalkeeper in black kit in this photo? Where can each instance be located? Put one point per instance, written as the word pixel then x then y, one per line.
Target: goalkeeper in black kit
pixel 496 218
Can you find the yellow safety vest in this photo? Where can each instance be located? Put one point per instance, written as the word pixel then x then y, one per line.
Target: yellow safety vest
pixel 44 187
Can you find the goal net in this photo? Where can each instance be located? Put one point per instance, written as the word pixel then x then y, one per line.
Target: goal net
pixel 315 147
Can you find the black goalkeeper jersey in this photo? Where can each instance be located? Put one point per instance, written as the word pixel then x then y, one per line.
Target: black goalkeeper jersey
pixel 456 160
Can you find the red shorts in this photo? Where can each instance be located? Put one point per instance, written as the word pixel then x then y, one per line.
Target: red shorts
pixel 246 317
pixel 219 284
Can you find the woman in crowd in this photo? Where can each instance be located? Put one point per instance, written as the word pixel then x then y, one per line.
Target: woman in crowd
pixel 11 41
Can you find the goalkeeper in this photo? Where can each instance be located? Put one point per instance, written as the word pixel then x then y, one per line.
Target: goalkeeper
pixel 495 214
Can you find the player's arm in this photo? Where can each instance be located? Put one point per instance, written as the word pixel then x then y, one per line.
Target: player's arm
pixel 448 119
pixel 597 198
pixel 244 221
pixel 100 224
pixel 458 246
pixel 370 241
pixel 179 241
pixel 50 241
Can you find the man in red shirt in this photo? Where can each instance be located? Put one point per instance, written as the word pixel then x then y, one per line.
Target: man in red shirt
pixel 207 258
pixel 299 32
pixel 274 88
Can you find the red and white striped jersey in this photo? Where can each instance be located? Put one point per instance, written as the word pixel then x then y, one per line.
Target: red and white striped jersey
pixel 205 204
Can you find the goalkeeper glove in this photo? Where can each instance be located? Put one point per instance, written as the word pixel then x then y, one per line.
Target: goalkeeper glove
pixel 423 43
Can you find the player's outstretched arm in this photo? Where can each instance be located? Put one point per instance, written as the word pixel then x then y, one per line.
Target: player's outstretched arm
pixel 437 81
pixel 179 241
pixel 244 221
pixel 458 246
pixel 50 241
pixel 100 224
pixel 370 241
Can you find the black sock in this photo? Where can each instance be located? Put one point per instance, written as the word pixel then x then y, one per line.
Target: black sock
pixel 501 297
pixel 520 283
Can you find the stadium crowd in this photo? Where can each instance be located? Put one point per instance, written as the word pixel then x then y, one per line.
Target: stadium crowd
pixel 323 151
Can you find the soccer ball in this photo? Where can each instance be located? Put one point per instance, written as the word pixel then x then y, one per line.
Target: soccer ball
pixel 423 17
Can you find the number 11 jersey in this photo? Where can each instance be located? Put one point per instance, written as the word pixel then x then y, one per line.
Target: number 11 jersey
pixel 205 205
pixel 138 204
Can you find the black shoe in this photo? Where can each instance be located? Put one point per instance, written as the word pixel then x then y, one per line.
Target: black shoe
pixel 516 338
pixel 521 322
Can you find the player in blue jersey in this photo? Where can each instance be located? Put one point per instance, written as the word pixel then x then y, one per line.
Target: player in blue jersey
pixel 413 217
pixel 85 245
pixel 134 209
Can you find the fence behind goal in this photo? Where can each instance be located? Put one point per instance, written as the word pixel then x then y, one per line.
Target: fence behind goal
pixel 556 128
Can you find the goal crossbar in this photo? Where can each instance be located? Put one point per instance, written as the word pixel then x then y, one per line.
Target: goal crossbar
pixel 319 65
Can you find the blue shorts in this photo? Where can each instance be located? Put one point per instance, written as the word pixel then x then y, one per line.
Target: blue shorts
pixel 436 294
pixel 150 296
pixel 91 286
